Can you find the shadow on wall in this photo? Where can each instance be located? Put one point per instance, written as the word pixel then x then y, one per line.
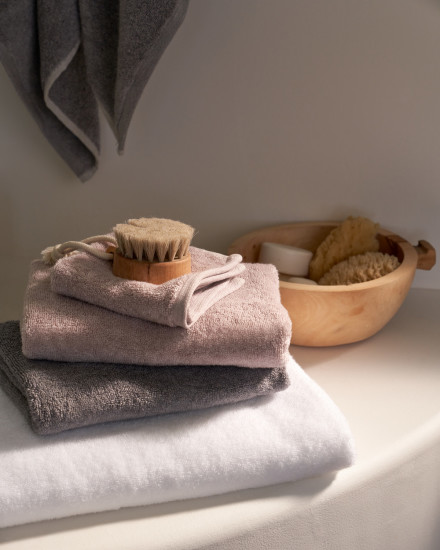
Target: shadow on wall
pixel 9 243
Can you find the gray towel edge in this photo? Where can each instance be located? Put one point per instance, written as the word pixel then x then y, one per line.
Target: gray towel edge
pixel 34 109
pixel 144 72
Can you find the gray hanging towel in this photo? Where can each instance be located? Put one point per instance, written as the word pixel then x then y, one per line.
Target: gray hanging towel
pixel 41 52
pixel 123 41
pixel 65 56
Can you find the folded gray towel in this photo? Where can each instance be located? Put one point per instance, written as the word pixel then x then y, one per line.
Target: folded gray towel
pixel 64 55
pixel 61 396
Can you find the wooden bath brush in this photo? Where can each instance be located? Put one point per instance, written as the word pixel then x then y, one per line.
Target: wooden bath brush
pixel 153 250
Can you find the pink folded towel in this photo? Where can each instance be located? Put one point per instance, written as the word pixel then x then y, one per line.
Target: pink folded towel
pixel 176 303
pixel 247 328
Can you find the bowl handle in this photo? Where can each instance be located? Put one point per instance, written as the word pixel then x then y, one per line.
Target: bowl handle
pixel 427 256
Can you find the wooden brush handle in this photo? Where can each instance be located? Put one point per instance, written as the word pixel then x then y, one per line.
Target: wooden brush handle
pixel 149 272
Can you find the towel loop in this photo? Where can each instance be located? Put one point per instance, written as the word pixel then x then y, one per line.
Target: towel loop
pixel 52 254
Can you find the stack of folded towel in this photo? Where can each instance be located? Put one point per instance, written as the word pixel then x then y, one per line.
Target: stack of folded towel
pixel 148 393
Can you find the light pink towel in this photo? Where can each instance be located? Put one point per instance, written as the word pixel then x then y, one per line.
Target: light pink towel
pixel 248 328
pixel 176 303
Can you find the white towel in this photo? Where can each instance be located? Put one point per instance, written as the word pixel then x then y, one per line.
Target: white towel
pixel 295 434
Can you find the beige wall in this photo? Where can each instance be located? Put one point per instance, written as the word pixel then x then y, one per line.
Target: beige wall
pixel 260 112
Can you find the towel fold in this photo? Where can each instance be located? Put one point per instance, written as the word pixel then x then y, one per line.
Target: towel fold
pixel 123 42
pixel 62 82
pixel 61 396
pixel 176 303
pixel 246 328
pixel 291 435
pixel 64 56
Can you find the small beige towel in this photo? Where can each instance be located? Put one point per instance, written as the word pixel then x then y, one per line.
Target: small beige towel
pixel 176 303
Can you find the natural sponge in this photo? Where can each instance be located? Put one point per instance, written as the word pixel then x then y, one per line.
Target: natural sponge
pixel 360 268
pixel 353 236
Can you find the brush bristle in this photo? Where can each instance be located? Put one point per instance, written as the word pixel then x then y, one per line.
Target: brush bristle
pixel 153 239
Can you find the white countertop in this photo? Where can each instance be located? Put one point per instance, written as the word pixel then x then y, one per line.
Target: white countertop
pixel 388 387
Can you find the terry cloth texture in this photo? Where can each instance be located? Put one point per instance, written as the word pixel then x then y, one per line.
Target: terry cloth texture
pixel 60 396
pixel 64 56
pixel 291 435
pixel 247 328
pixel 176 303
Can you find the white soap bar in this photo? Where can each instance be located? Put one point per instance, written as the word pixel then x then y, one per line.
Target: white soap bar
pixel 287 259
pixel 302 281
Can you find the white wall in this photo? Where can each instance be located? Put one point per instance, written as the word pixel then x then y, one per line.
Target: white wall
pixel 258 113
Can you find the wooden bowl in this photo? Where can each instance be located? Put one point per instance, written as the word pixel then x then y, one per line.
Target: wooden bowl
pixel 342 314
